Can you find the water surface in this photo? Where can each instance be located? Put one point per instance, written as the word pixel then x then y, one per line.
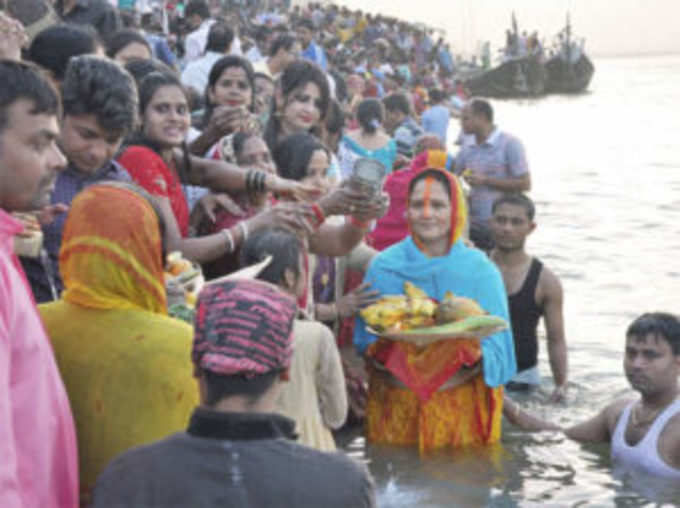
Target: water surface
pixel 606 180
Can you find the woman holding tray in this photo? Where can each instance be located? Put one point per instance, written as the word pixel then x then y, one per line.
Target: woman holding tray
pixel 448 393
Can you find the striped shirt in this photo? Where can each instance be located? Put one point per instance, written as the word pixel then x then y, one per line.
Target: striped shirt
pixel 501 156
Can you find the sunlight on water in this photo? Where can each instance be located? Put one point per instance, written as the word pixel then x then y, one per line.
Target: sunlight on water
pixel 606 180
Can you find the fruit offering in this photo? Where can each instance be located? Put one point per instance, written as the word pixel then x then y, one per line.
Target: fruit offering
pixel 415 312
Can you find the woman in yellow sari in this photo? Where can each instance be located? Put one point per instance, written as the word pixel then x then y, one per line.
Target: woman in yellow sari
pixel 125 363
pixel 447 394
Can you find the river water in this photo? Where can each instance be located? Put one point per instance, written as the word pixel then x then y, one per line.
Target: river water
pixel 606 180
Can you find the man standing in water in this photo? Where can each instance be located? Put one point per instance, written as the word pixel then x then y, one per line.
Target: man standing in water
pixel 644 433
pixel 493 165
pixel 533 291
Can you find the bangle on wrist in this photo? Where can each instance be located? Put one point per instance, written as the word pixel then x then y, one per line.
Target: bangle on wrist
pixel 231 246
pixel 244 230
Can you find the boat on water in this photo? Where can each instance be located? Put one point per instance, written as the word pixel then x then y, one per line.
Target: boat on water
pixel 524 71
pixel 520 74
pixel 518 77
pixel 569 69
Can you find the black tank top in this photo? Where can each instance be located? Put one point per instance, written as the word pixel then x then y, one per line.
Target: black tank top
pixel 524 315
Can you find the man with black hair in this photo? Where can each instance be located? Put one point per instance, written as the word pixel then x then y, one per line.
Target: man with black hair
pixel 284 50
pixel 400 123
pixel 534 291
pixel 237 451
pixel 197 15
pixel 644 433
pixel 38 455
pixel 100 109
pixel 220 39
pixel 310 49
pixel 495 164
pixel 97 13
pixel 53 47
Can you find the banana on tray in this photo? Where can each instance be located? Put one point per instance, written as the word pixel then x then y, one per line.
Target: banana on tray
pixel 414 310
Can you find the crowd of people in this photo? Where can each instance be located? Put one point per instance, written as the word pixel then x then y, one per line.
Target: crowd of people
pixel 235 133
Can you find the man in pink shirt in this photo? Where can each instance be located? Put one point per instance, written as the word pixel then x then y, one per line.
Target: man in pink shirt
pixel 38 455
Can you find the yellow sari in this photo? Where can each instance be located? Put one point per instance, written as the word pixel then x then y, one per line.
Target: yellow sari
pixel 125 363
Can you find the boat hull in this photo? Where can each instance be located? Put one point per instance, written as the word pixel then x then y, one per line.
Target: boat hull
pixel 568 78
pixel 521 77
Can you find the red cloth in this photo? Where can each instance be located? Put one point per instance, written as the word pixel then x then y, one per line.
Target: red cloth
pixel 424 370
pixel 392 227
pixel 150 171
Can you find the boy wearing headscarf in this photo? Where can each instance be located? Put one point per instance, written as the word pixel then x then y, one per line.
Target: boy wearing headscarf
pixel 236 450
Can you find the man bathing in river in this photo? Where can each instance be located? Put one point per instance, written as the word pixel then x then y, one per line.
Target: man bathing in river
pixel 533 291
pixel 644 433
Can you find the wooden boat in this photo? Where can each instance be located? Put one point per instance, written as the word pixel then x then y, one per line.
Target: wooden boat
pixel 569 70
pixel 567 77
pixel 519 77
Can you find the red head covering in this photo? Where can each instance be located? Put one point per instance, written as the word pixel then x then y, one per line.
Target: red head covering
pixel 243 327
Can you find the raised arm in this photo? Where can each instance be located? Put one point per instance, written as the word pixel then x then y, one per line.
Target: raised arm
pixel 554 324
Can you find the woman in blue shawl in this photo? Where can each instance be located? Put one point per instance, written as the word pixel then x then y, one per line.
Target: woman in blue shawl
pixel 466 406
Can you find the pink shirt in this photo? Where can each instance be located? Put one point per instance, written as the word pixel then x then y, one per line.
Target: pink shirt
pixel 38 453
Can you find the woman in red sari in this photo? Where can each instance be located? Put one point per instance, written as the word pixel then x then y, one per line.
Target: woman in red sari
pixel 158 161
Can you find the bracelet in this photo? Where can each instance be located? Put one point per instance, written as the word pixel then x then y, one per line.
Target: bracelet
pixel 318 212
pixel 249 181
pixel 230 239
pixel 244 230
pixel 259 181
pixel 357 223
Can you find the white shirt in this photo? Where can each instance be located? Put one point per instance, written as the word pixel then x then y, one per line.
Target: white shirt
pixel 195 43
pixel 195 74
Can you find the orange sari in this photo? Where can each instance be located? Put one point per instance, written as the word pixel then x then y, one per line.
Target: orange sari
pixel 419 413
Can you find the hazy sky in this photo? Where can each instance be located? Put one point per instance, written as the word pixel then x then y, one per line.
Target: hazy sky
pixel 611 27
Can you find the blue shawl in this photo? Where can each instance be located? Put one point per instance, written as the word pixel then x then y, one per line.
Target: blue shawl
pixel 464 271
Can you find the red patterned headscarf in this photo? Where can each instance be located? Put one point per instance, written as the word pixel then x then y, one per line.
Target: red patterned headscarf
pixel 243 327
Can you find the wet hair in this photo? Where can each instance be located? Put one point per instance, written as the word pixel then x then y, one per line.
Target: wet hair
pixel 296 75
pixel 518 199
pixel 284 247
pixel 370 115
pixel 220 38
pixel 219 387
pixel 101 88
pixel 482 107
pixel 56 45
pixel 292 155
pixel 284 41
pixel 216 72
pixel 437 174
pixel 24 81
pixel 335 120
pixel 140 68
pixel 658 324
pixel 397 102
pixel 123 38
pixel 198 7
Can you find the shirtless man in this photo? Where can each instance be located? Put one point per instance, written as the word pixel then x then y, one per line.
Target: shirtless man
pixel 644 433
pixel 533 291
